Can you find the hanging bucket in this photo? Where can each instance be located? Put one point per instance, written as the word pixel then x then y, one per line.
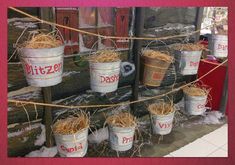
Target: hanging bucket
pixel 195 105
pixel 104 76
pixel 153 70
pixel 187 62
pixel 219 45
pixel 120 138
pixel 42 67
pixel 162 124
pixel 74 145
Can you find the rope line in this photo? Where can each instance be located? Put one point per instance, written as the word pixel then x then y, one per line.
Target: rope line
pixel 117 104
pixel 103 36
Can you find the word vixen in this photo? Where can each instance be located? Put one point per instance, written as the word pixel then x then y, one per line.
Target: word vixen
pixel 72 149
pixel 127 140
pixel 165 125
pixel 43 70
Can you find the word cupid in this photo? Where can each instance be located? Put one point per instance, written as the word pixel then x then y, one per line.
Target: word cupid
pixel 71 149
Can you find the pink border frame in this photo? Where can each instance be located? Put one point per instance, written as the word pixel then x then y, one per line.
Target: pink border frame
pixel 143 3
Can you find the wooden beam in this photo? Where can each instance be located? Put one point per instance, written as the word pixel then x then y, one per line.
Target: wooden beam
pixel 48 14
pixel 48 116
pixel 198 21
pixel 139 26
pixel 224 100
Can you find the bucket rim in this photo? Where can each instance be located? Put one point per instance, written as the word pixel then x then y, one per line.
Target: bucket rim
pixel 122 127
pixel 93 62
pixel 221 35
pixel 189 51
pixel 195 96
pixel 146 57
pixel 61 46
pixel 86 128
pixel 163 115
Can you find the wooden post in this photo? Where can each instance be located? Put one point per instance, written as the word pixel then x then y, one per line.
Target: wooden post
pixel 223 102
pixel 48 116
pixel 139 25
pixel 198 21
pixel 47 13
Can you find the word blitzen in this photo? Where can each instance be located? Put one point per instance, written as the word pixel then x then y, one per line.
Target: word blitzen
pixel 42 70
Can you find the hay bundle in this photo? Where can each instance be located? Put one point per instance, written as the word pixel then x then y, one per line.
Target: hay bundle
pixel 195 90
pixel 189 47
pixel 42 40
pixel 157 55
pixel 123 120
pixel 71 125
pixel 103 56
pixel 161 108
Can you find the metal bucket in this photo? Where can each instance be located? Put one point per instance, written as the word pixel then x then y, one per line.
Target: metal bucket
pixel 195 105
pixel 74 145
pixel 42 67
pixel 104 77
pixel 121 139
pixel 153 71
pixel 162 124
pixel 187 62
pixel 219 45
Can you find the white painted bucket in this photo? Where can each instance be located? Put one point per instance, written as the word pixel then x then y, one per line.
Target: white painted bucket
pixel 188 61
pixel 42 67
pixel 219 45
pixel 74 145
pixel 195 105
pixel 121 139
pixel 104 77
pixel 162 124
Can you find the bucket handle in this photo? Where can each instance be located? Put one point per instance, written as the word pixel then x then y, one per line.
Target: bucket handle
pixel 156 42
pixel 100 39
pixel 126 68
pixel 17 41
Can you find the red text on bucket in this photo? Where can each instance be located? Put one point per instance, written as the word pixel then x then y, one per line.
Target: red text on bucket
pixel 156 76
pixel 222 47
pixel 71 149
pixel 109 79
pixel 42 70
pixel 127 139
pixel 164 125
pixel 194 64
pixel 200 106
